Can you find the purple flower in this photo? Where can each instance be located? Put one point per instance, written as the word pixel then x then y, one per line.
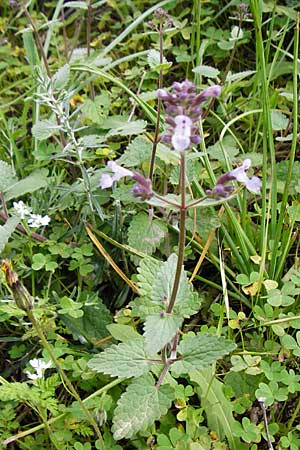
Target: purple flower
pixel 239 174
pixel 118 173
pixel 183 109
pixel 142 189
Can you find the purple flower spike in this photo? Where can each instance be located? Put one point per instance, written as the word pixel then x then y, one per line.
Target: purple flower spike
pixel 183 109
pixel 239 174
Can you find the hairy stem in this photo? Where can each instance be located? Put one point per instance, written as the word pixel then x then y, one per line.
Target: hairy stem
pixel 160 85
pixel 181 238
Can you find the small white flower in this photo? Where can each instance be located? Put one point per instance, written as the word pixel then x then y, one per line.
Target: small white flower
pixel 36 220
pixel 21 209
pixel 39 366
pixel 119 172
pixel 181 138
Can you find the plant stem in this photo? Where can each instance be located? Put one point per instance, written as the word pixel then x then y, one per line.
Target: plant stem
pixel 181 238
pixel 63 375
pixel 160 85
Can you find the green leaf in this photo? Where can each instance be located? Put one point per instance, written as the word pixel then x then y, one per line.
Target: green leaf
pixel 7 230
pixel 36 180
pixel 207 71
pixel 97 110
pixel 231 77
pixel 128 128
pixel 217 407
pixel 30 48
pixel 136 153
pixel 38 261
pixel 76 4
pixel 123 360
pixel 153 59
pixel 7 176
pixel 145 234
pixel 279 120
pixel 147 275
pixel 200 351
pixel 43 129
pixel 61 77
pixel 225 151
pixel 91 327
pixel 122 332
pixel 21 392
pixel 140 406
pixel 159 330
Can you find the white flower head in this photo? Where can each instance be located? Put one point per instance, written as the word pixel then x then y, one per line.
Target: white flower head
pixel 39 366
pixel 21 209
pixel 36 220
pixel 181 138
pixel 119 172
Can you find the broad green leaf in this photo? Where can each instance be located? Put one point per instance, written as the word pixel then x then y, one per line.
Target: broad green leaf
pixel 140 406
pixel 61 77
pixel 217 407
pixel 127 359
pixel 128 128
pixel 200 351
pixel 92 140
pixel 279 120
pixel 7 230
pixel 122 332
pixel 145 234
pixel 91 327
pixel 97 110
pixel 163 285
pixel 142 307
pixel 207 71
pixel 282 171
pixel 43 129
pixel 146 276
pixel 159 330
pixel 7 176
pixel 36 180
pixel 137 152
pixel 226 151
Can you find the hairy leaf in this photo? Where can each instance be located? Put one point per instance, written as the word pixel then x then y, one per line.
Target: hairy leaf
pixel 159 330
pixel 7 176
pixel 43 129
pixel 122 332
pixel 128 128
pixel 127 359
pixel 145 234
pixel 91 327
pixel 36 180
pixel 61 77
pixel 97 110
pixel 137 152
pixel 140 406
pixel 147 275
pixel 200 351
pixel 7 230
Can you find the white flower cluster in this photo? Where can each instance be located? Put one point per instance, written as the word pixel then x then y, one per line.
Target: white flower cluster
pixel 39 366
pixel 34 220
